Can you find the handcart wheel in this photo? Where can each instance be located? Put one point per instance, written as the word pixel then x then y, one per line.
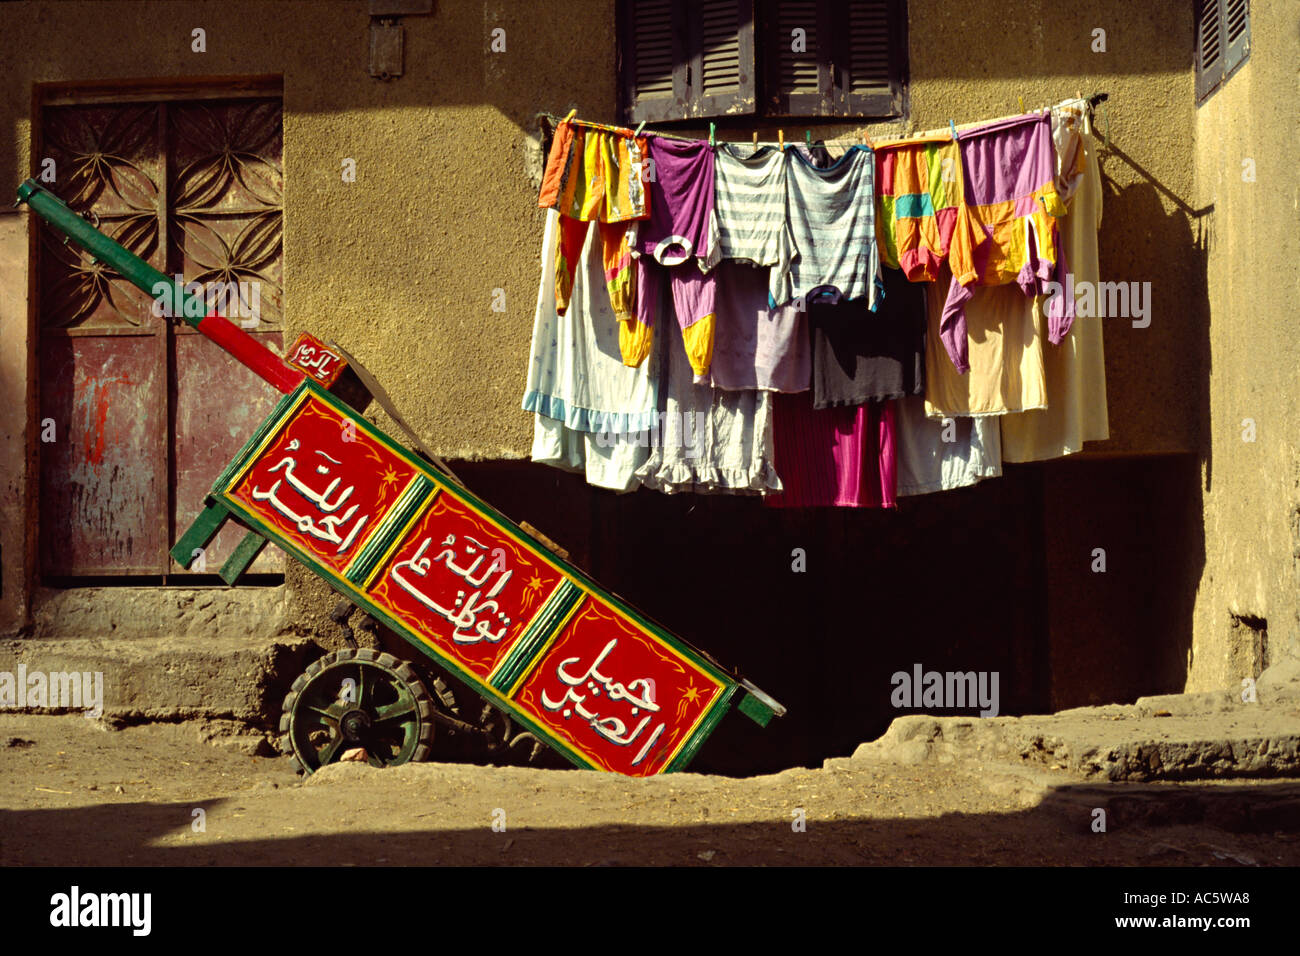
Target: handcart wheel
pixel 361 701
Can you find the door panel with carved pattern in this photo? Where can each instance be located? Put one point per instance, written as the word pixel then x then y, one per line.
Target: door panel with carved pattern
pixel 146 413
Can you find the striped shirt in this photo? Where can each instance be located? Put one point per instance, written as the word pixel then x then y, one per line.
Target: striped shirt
pixel 831 215
pixel 749 204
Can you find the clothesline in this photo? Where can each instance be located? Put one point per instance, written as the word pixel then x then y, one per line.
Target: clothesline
pixel 808 332
pixel 855 140
pixel 1089 101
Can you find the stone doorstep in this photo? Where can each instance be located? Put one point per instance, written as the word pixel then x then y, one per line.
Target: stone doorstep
pixel 1113 743
pixel 225 681
pixel 1197 736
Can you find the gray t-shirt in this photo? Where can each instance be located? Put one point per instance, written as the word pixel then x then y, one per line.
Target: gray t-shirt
pixel 831 216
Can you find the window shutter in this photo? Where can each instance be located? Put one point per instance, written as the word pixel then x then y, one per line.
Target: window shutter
pixel 1236 34
pixel 1209 49
pixel 684 59
pixel 876 37
pixel 648 49
pixel 853 62
pixel 725 57
pixel 800 82
pixel 1222 42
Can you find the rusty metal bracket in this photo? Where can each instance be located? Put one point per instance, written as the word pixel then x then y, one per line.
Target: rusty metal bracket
pixel 387 36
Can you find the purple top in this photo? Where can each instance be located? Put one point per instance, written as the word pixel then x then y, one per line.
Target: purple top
pixel 1009 165
pixel 1006 162
pixel 681 196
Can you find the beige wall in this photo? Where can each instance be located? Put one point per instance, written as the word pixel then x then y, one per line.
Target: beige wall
pixel 1251 489
pixel 400 266
pixel 16 538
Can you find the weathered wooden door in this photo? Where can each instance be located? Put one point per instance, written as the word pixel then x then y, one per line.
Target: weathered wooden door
pixel 136 414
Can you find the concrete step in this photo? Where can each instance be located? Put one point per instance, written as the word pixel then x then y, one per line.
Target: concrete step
pixel 1174 737
pixel 239 679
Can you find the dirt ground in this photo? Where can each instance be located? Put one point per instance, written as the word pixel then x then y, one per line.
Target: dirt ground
pixel 75 793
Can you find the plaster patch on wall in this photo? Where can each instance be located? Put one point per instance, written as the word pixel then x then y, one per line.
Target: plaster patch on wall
pixel 534 158
pixel 1248 643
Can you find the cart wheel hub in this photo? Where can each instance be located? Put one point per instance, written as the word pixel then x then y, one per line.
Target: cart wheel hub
pixel 354 724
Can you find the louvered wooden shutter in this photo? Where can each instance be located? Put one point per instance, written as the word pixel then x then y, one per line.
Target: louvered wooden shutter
pixel 1236 34
pixel 724 57
pixel 1222 42
pixel 687 58
pixel 877 42
pixel 1209 48
pixel 797 37
pixel 852 64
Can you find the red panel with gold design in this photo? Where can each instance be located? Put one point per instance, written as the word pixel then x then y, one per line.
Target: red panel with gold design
pixel 463 585
pixel 316 359
pixel 323 483
pixel 616 694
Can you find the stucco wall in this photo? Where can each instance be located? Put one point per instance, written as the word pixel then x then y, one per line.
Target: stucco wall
pixel 1251 488
pixel 401 266
pixel 15 528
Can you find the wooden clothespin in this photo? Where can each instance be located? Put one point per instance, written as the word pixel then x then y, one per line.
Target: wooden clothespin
pixel 572 114
pixel 756 139
pixel 713 139
pixel 780 138
pixel 1022 103
pixel 866 140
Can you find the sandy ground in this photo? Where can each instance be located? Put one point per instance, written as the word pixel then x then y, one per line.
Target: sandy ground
pixel 75 793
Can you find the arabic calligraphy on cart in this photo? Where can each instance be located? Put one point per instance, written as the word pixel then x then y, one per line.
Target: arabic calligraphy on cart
pixel 465 609
pixel 639 693
pixel 325 528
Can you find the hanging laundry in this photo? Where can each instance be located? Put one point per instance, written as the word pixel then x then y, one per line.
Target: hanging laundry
pixel 1004 342
pixel 943 454
pixel 1075 370
pixel 693 297
pixel 756 346
pixel 919 190
pixel 1006 226
pixel 677 235
pixel 860 356
pixel 842 457
pixel 605 462
pixel 577 384
pixel 749 208
pixel 595 176
pixel 1069 121
pixel 818 154
pixel 831 214
pixel 707 439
